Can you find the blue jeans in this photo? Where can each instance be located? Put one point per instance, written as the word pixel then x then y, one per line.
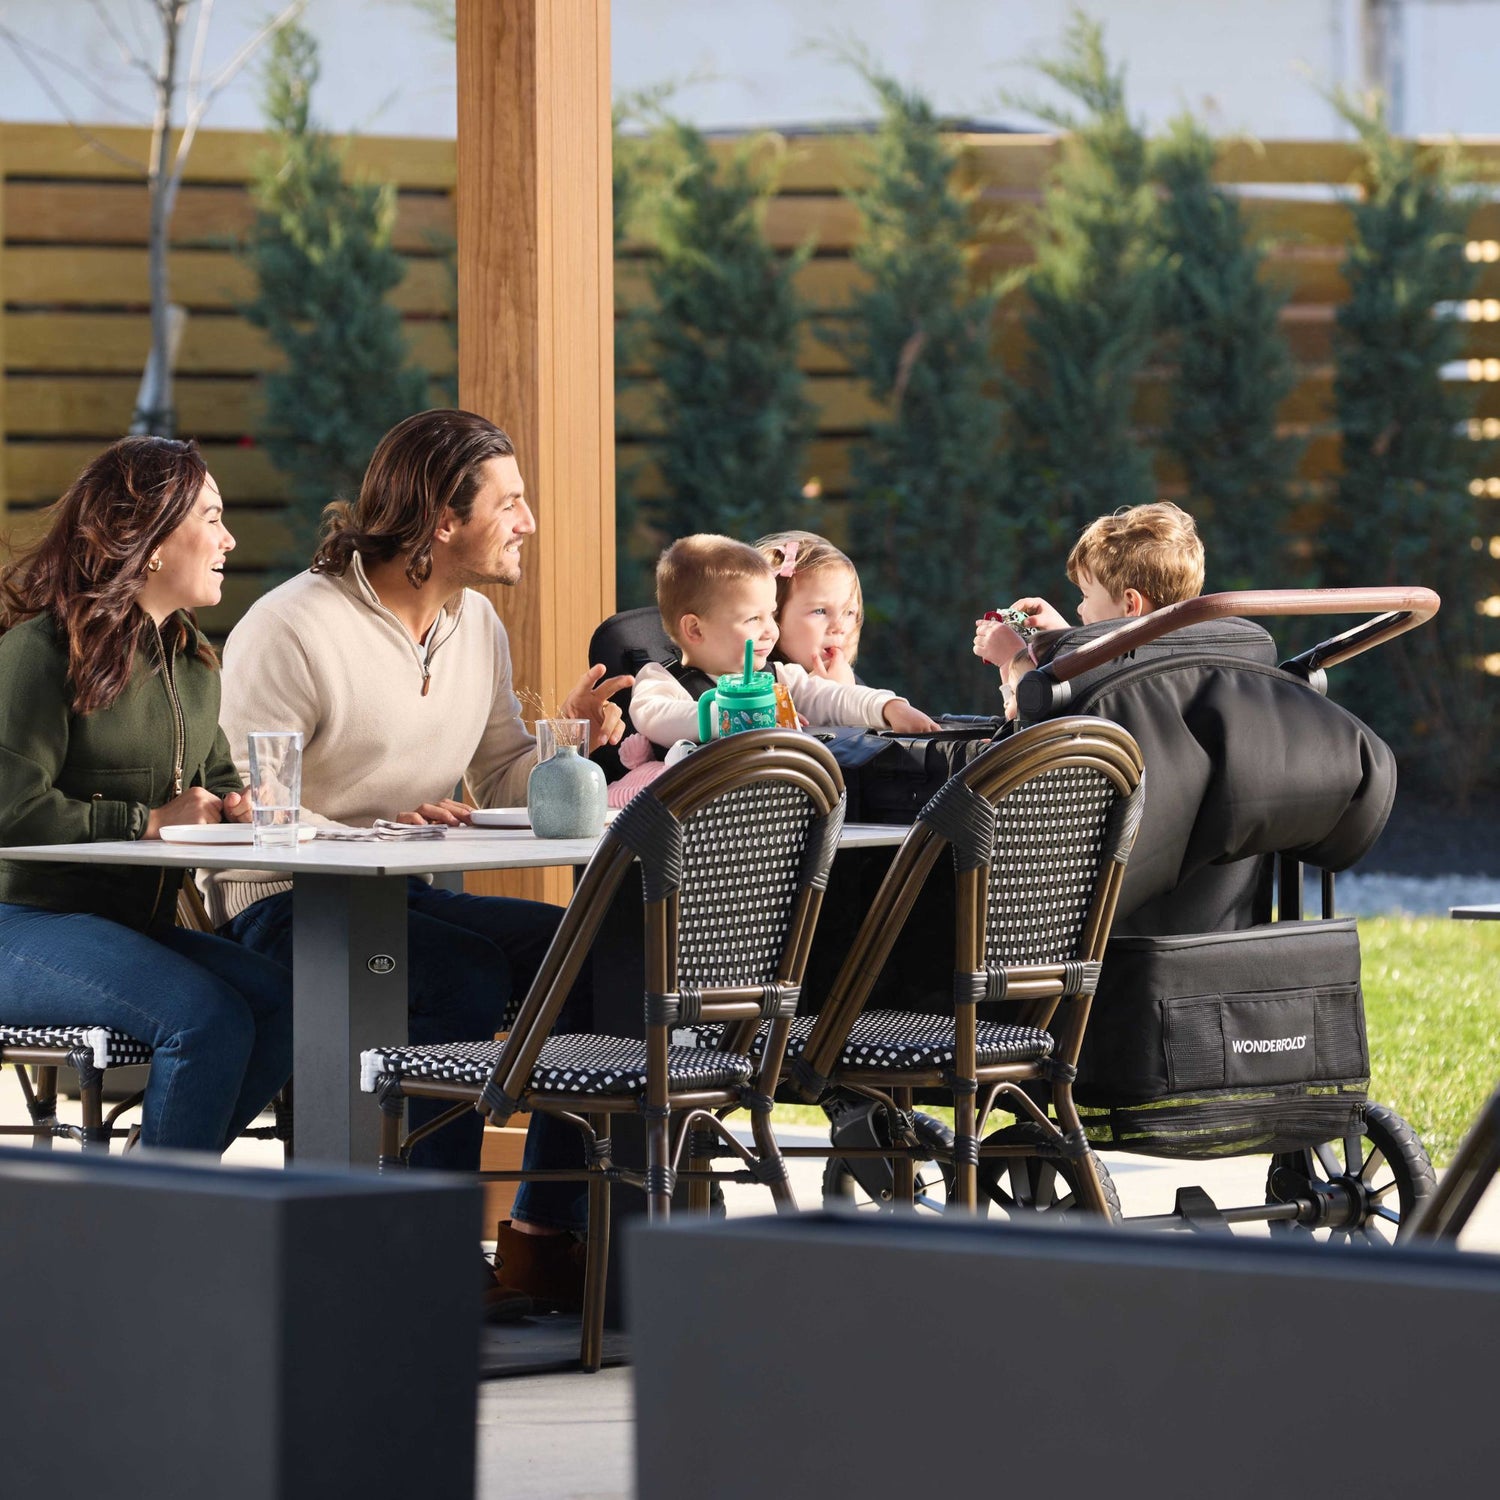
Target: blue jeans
pixel 219 1020
pixel 467 956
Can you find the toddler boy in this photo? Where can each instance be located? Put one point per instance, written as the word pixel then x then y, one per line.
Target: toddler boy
pixel 714 594
pixel 1125 565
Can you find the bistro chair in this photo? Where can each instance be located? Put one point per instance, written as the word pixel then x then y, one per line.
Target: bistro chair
pixel 734 846
pixel 1040 828
pixel 90 1051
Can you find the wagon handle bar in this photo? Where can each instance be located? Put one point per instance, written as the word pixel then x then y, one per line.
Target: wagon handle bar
pixel 1395 611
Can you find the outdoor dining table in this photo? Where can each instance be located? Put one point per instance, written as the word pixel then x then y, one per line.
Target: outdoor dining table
pixel 349 974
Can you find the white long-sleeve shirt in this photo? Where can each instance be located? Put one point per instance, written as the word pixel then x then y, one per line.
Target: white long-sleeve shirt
pixel 665 712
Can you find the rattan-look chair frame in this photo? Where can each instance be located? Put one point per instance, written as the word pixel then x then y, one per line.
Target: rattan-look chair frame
pixel 1054 995
pixel 650 831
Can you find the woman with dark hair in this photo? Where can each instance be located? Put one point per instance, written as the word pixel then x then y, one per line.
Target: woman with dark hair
pixel 109 729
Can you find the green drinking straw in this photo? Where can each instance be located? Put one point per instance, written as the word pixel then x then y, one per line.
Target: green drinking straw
pixel 749 660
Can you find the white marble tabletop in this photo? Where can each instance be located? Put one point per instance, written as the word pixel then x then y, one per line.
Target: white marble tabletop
pixel 458 849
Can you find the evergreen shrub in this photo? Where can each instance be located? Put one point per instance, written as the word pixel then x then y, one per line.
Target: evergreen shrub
pixel 320 249
pixel 1405 512
pixel 1230 370
pixel 1094 290
pixel 928 527
pixel 632 170
pixel 723 341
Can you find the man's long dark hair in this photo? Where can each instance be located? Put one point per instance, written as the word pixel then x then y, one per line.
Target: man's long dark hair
pixel 87 568
pixel 424 465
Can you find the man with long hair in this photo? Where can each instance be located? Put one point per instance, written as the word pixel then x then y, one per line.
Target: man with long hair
pixel 398 673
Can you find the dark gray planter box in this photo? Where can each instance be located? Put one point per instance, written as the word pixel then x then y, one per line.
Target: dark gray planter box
pixel 820 1356
pixel 176 1330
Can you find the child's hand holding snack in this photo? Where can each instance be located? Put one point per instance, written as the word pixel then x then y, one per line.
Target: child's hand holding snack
pixel 1041 615
pixel 996 642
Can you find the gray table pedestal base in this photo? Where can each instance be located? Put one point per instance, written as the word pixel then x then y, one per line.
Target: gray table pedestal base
pixel 349 985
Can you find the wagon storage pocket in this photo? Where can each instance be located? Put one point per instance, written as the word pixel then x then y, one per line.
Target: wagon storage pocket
pixel 1222 1042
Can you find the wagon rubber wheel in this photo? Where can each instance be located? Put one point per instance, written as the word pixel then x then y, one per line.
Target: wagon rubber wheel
pixel 1357 1191
pixel 1031 1184
pixel 875 1187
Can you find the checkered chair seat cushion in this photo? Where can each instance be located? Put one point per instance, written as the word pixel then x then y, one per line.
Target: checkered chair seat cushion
pixel 574 1064
pixel 111 1049
pixel 893 1039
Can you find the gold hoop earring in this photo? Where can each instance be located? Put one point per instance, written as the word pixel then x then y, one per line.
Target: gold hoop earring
pixel 154 566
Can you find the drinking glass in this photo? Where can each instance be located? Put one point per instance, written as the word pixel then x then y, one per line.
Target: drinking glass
pixel 550 733
pixel 275 787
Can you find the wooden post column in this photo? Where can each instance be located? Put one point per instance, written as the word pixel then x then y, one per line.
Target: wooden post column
pixel 4 487
pixel 536 314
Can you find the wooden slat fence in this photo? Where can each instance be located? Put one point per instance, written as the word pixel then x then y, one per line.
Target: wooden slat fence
pixel 74 330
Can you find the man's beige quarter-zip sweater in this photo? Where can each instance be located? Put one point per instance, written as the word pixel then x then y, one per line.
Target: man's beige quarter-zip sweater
pixel 387 723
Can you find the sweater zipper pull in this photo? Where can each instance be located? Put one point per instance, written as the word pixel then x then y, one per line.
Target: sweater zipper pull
pixel 426 681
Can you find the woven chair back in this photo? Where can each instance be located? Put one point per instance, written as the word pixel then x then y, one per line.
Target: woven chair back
pixel 1049 848
pixel 742 870
pixel 1039 828
pixel 734 845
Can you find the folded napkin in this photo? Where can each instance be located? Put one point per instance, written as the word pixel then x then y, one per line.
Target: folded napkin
pixel 383 828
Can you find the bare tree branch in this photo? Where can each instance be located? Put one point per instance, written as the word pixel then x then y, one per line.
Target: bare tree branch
pixel 28 51
pixel 138 25
pixel 129 58
pixel 200 46
pixel 197 108
pixel 226 75
pixel 154 402
pixel 18 46
pixel 164 170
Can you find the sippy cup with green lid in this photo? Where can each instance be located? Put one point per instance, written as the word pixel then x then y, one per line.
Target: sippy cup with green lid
pixel 742 700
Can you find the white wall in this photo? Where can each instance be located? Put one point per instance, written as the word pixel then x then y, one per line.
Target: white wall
pixel 1242 59
pixel 1451 53
pixel 1251 65
pixel 384 70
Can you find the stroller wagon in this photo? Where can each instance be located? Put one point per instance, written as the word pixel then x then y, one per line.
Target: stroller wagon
pixel 1226 1021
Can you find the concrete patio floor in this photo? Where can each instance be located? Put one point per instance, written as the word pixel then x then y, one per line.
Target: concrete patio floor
pixel 569 1436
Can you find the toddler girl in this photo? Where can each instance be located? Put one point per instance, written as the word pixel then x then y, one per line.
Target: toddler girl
pixel 819 606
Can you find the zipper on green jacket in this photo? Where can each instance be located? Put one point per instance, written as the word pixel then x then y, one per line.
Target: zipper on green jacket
pixel 179 748
pixel 179 725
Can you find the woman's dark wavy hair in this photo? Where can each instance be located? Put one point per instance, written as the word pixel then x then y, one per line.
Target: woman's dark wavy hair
pixel 425 464
pixel 87 568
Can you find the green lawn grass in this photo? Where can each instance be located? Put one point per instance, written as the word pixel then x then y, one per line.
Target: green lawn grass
pixel 1432 1010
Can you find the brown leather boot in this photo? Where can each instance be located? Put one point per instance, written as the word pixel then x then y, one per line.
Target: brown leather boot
pixel 549 1268
pixel 502 1304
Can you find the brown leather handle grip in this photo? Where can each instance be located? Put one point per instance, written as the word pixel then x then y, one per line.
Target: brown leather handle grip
pixel 1398 610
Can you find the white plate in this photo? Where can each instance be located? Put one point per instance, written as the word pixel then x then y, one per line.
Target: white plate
pixel 514 817
pixel 222 833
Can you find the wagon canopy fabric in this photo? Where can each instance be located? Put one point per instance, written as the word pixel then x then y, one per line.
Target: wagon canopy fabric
pixel 1242 760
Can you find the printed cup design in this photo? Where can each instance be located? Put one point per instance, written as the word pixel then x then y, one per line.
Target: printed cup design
pixel 735 720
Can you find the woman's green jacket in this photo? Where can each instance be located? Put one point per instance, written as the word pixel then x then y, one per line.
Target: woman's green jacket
pixel 69 778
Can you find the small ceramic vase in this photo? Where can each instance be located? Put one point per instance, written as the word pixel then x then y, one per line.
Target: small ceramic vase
pixel 566 796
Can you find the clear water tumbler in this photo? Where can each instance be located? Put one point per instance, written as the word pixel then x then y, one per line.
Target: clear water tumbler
pixel 276 787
